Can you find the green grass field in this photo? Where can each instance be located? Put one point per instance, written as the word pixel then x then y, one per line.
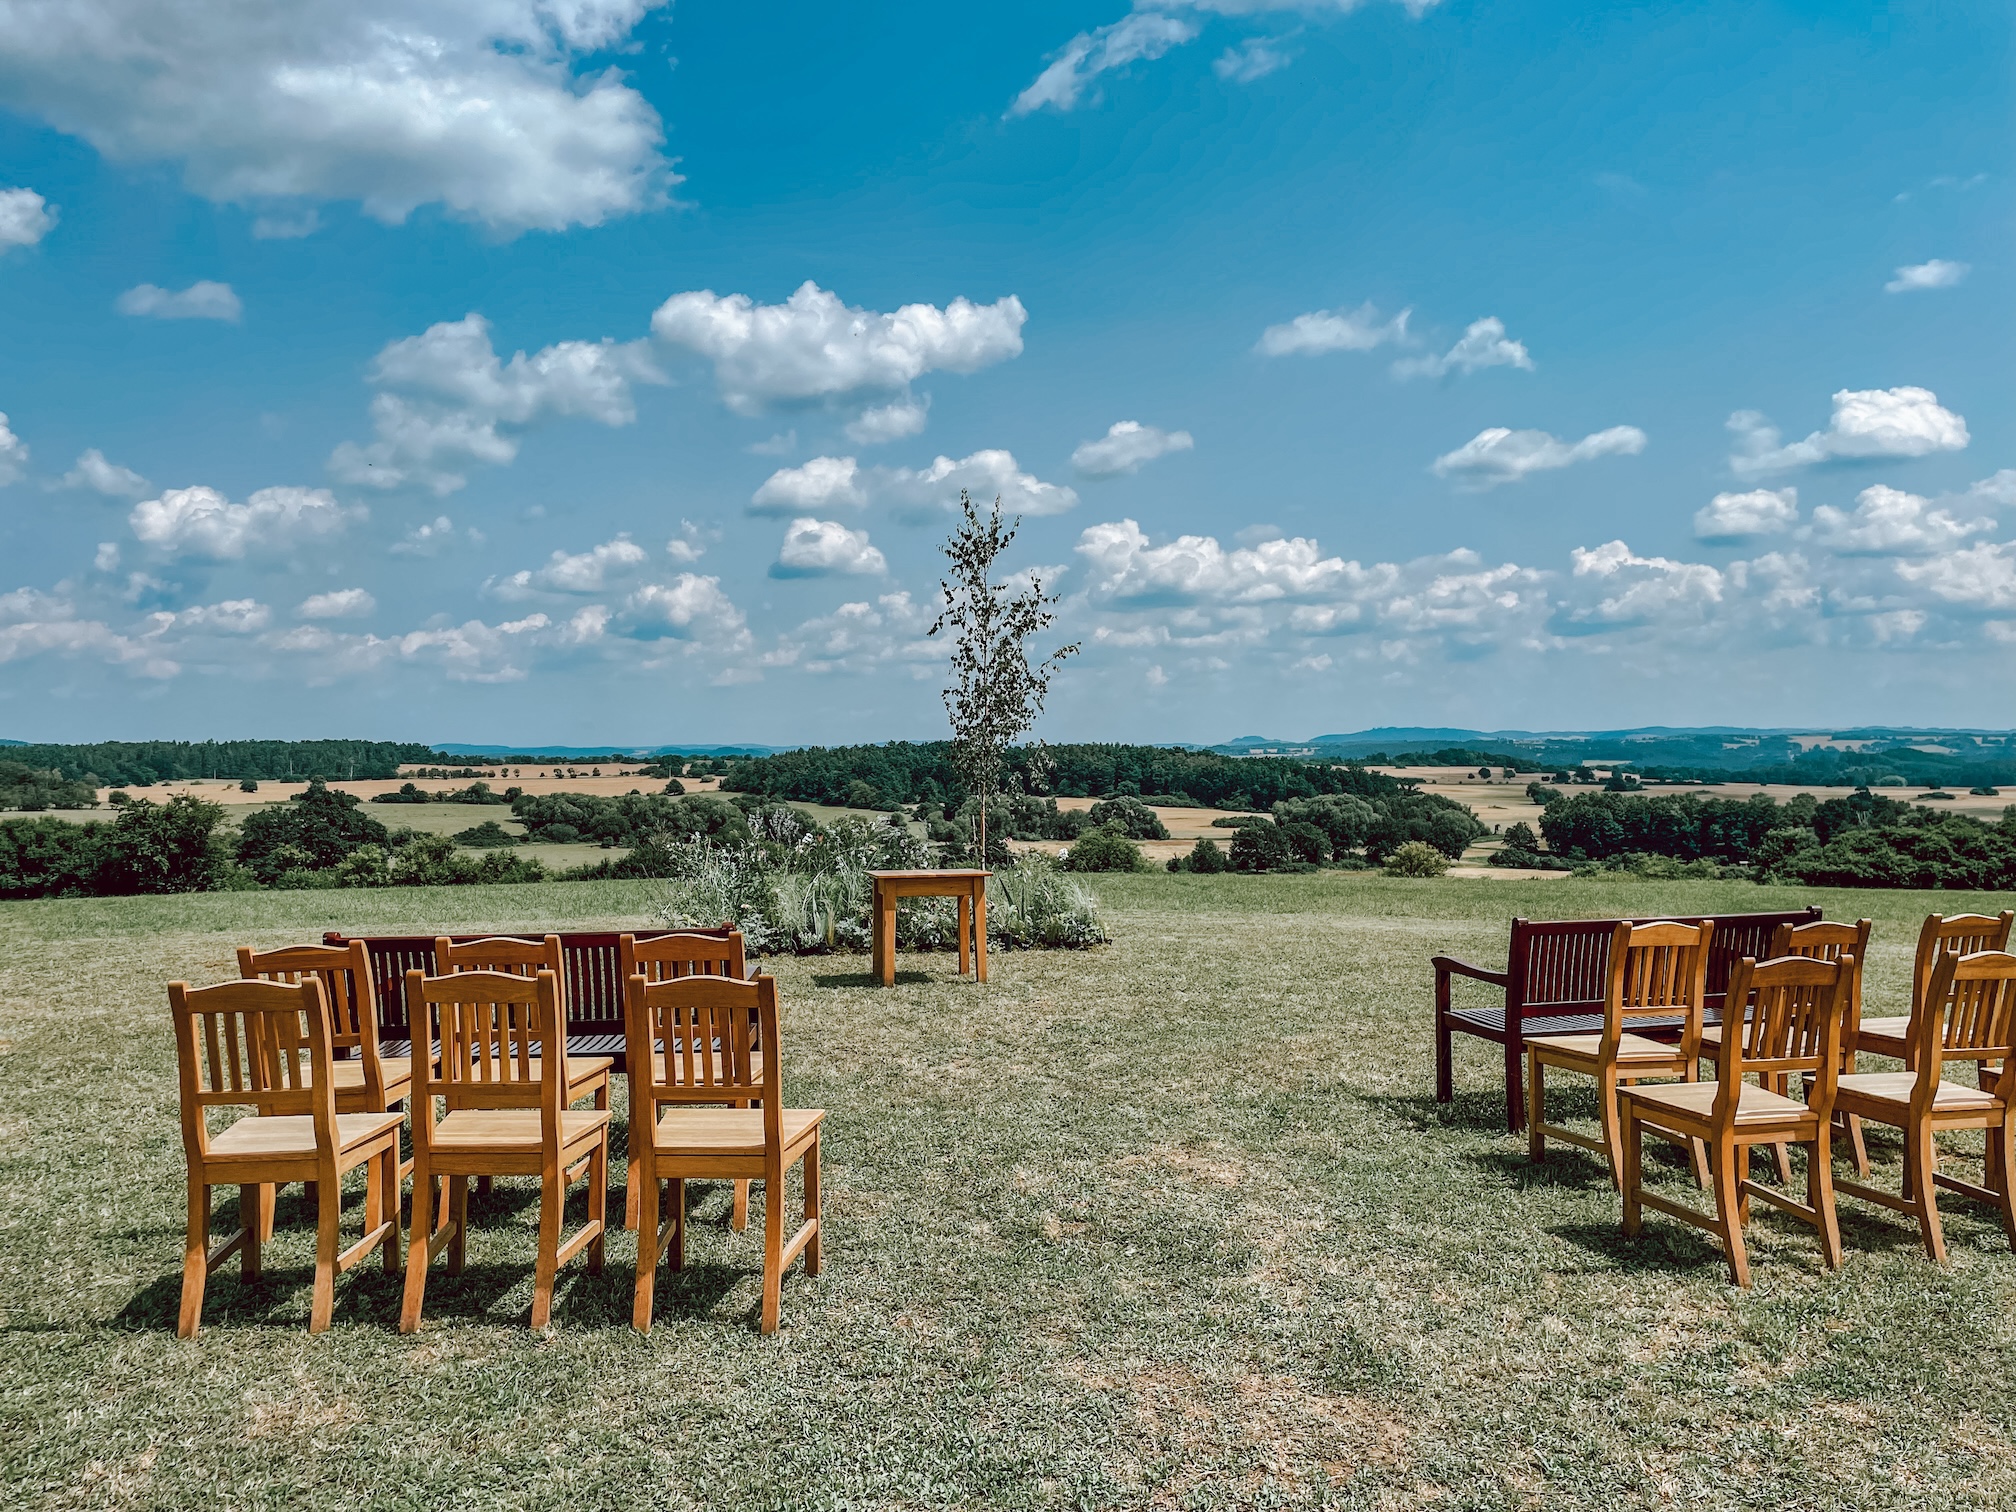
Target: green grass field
pixel 1173 1223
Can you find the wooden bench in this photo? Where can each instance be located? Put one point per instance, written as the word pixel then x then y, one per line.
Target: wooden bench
pixel 592 989
pixel 1554 983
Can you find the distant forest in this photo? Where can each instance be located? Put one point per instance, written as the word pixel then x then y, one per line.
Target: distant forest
pixel 137 763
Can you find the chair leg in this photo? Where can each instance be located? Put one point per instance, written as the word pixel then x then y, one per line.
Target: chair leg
pixel 647 1246
pixel 552 1194
pixel 632 1177
pixel 328 1214
pixel 2002 1141
pixel 812 1205
pixel 1634 1174
pixel 388 1205
pixel 1445 1070
pixel 421 1249
pixel 738 1214
pixel 1606 1110
pixel 1923 1157
pixel 255 1219
pixel 1515 1105
pixel 678 1195
pixel 1820 1194
pixel 1536 1110
pixel 773 1251
pixel 1856 1146
pixel 598 1204
pixel 1729 1166
pixel 458 1221
pixel 196 1260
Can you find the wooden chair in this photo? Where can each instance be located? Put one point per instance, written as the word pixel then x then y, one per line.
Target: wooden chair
pixel 704 1024
pixel 265 1045
pixel 1942 935
pixel 586 1074
pixel 1822 941
pixel 503 1081
pixel 366 1082
pixel 662 958
pixel 1968 1013
pixel 1656 971
pixel 1799 1008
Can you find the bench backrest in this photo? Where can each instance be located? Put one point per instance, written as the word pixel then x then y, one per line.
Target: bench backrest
pixel 591 986
pixel 1563 966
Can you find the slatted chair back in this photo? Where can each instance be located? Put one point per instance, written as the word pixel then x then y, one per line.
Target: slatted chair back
pixel 1954 935
pixel 520 957
pixel 1658 971
pixel 1796 1023
pixel 1827 940
pixel 1973 998
pixel 260 1045
pixel 503 1039
pixel 706 1027
pixel 345 974
pixel 658 958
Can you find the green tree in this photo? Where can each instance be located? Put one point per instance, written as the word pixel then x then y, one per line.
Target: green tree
pixel 996 692
pixel 1103 850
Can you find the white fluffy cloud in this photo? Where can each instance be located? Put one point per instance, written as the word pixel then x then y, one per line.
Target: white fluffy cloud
pixel 480 106
pixel 1319 331
pixel 94 472
pixel 1483 344
pixel 1936 274
pixel 1123 565
pixel 917 493
pixel 1897 422
pixel 1977 577
pixel 13 454
pixel 595 570
pixel 201 523
pixel 25 218
pixel 812 347
pixel 340 603
pixel 1127 445
pixel 445 400
pixel 231 617
pixel 1635 590
pixel 33 624
pixel 889 422
pixel 1889 522
pixel 863 637
pixel 690 607
pixel 202 300
pixel 1741 516
pixel 820 548
pixel 432 537
pixel 1499 455
pixel 819 484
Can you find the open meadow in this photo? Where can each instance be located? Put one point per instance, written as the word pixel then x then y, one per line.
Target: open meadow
pixel 1175 1222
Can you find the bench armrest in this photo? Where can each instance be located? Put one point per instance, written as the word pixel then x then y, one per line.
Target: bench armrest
pixel 1446 966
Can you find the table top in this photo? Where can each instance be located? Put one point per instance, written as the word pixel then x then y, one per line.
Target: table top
pixel 949 875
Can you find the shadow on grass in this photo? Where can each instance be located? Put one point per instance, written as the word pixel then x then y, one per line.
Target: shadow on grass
pixel 868 979
pixel 1478 1112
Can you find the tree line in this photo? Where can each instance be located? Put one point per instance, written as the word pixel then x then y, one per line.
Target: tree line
pixel 141 763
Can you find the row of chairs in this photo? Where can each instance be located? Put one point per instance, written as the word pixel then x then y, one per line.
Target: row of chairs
pixel 1793 1023
pixel 296 1041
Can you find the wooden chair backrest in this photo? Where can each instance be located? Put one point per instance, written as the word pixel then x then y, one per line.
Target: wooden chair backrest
pixel 503 1039
pixel 262 1045
pixel 502 953
pixel 706 1027
pixel 1797 1022
pixel 1827 941
pixel 688 953
pixel 1954 935
pixel 1657 970
pixel 345 974
pixel 1563 965
pixel 1975 1019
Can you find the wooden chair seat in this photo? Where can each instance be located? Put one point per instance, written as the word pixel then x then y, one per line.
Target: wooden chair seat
pixel 728 1131
pixel 292 1136
pixel 506 1131
pixel 1589 1047
pixel 348 1077
pixel 1694 1102
pixel 589 1073
pixel 1885 1036
pixel 1877 1092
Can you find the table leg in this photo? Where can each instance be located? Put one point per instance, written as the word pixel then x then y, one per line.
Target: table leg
pixel 965 931
pixel 885 942
pixel 980 928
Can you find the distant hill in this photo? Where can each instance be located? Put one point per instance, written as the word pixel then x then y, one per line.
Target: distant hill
pixel 604 752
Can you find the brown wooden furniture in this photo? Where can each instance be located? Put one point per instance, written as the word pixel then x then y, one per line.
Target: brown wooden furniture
pixel 587 1075
pixel 591 983
pixel 265 1045
pixel 1554 984
pixel 1968 1013
pixel 968 886
pixel 698 1029
pixel 502 1080
pixel 1657 972
pixel 661 958
pixel 1796 1024
pixel 1941 935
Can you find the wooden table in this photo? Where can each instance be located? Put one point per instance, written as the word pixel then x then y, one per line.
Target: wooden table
pixel 969 887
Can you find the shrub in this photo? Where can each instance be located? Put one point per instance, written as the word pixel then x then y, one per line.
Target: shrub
pixel 320 825
pixel 1103 850
pixel 674 788
pixel 1259 846
pixel 1205 858
pixel 485 836
pixel 249 785
pixel 1416 858
pixel 1033 904
pixel 1130 816
pixel 1309 843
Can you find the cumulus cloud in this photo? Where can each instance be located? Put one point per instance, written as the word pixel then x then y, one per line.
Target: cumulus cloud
pixel 862 637
pixel 819 484
pixel 1889 522
pixel 1319 331
pixel 485 109
pixel 821 548
pixel 690 607
pixel 94 472
pixel 25 218
pixel 1636 590
pixel 1741 516
pixel 1499 455
pixel 446 399
pixel 201 523
pixel 1897 422
pixel 1936 274
pixel 1126 445
pixel 202 300
pixel 340 603
pixel 1484 344
pixel 1976 577
pixel 918 493
pixel 889 422
pixel 34 624
pixel 231 617
pixel 591 571
pixel 13 454
pixel 432 537
pixel 814 348
pixel 1123 565
pixel 1999 490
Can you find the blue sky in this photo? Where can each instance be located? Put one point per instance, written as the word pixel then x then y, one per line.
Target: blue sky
pixel 585 370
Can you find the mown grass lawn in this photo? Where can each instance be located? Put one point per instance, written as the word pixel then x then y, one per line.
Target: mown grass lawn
pixel 1173 1223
